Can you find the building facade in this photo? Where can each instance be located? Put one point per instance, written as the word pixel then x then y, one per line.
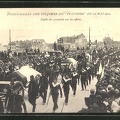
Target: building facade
pixel 3 47
pixel 21 46
pixel 108 42
pixel 73 42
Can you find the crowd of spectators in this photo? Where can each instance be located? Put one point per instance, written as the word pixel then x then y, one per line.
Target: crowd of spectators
pixel 106 97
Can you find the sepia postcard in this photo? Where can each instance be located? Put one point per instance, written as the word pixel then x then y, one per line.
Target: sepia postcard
pixel 59 60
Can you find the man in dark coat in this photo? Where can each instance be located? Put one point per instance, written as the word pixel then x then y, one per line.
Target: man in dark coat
pixel 19 102
pixel 32 92
pixel 9 100
pixel 43 87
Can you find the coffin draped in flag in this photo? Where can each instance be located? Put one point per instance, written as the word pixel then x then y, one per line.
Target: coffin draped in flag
pixel 19 77
pixel 70 61
pixel 24 73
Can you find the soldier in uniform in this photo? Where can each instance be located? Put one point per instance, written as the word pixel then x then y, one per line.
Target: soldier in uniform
pixel 83 78
pixel 67 70
pixel 89 74
pixel 79 68
pixel 56 69
pixel 74 82
pixel 66 87
pixel 95 67
pixel 55 87
pixel 32 92
pixel 51 75
pixel 43 84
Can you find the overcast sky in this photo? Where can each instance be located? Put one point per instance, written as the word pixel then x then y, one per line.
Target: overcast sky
pixel 27 27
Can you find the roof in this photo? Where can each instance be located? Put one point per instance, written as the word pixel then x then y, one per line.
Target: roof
pixel 72 38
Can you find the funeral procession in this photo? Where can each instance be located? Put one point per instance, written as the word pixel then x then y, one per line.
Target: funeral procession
pixel 70 75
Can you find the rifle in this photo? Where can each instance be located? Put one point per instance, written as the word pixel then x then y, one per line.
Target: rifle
pixel 48 97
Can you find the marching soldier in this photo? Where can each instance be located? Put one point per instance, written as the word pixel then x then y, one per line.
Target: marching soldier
pixel 55 87
pixel 67 70
pixel 94 70
pixel 32 92
pixel 83 78
pixel 89 74
pixel 56 69
pixel 66 87
pixel 51 75
pixel 43 87
pixel 74 82
pixel 79 68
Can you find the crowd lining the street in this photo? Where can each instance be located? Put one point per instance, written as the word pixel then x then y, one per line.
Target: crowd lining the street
pixel 105 98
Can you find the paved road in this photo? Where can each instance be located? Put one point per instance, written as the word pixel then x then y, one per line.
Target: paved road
pixel 75 103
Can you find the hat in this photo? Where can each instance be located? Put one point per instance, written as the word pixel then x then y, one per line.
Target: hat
pixel 32 77
pixel 117 91
pixel 92 91
pixel 109 86
pixel 103 90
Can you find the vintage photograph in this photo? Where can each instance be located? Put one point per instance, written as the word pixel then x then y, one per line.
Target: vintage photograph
pixel 59 60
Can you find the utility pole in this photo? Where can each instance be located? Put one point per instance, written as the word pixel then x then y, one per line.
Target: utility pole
pixel 10 39
pixel 89 37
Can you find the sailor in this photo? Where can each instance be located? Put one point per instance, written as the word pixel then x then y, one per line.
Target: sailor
pixel 89 74
pixel 55 88
pixel 51 74
pixel 79 67
pixel 43 87
pixel 56 69
pixel 83 78
pixel 66 87
pixel 67 70
pixel 74 81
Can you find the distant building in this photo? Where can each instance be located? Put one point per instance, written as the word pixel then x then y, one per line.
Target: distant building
pixel 108 42
pixel 49 47
pixel 38 44
pixel 21 46
pixel 116 44
pixel 73 42
pixel 3 47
